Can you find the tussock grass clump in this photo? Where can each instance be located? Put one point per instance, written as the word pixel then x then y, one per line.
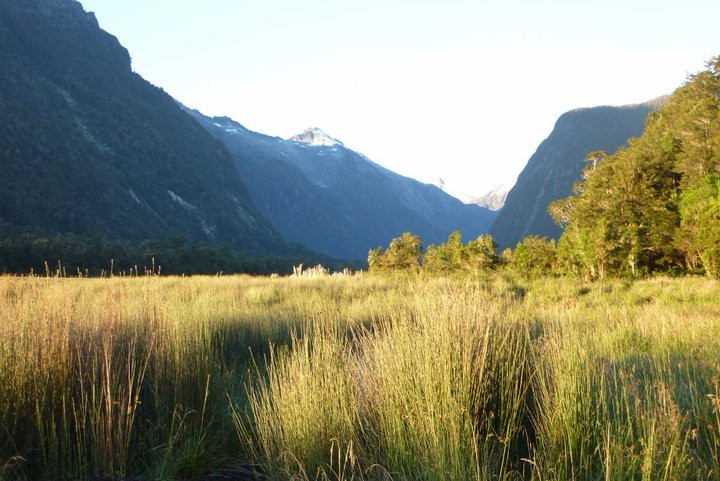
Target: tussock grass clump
pixel 410 397
pixel 118 376
pixel 468 380
pixel 440 400
pixel 626 389
pixel 338 378
pixel 305 409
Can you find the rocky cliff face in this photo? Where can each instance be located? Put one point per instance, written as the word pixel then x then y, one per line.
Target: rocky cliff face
pixel 558 162
pixel 318 192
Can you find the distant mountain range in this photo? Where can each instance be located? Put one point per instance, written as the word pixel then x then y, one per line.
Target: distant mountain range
pixel 317 192
pixel 558 163
pixel 89 147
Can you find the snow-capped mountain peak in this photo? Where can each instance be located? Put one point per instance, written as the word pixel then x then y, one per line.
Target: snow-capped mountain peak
pixel 315 136
pixel 493 200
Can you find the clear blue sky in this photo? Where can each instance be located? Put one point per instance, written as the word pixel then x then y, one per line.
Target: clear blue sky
pixel 454 89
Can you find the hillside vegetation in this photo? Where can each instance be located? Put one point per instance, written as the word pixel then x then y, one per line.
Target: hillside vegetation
pixel 652 207
pixel 89 147
pixel 72 256
pixel 360 378
pixel 558 163
pixel 655 205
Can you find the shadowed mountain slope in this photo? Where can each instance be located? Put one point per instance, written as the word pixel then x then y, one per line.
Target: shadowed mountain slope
pixel 89 147
pixel 318 192
pixel 558 163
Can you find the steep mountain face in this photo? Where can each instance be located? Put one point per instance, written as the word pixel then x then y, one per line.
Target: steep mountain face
pixel 317 192
pixel 558 163
pixel 88 146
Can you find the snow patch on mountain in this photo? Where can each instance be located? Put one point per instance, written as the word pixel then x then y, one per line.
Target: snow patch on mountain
pixel 135 196
pixel 209 231
pixel 493 200
pixel 316 137
pixel 180 200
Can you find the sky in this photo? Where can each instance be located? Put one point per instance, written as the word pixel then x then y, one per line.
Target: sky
pixel 458 90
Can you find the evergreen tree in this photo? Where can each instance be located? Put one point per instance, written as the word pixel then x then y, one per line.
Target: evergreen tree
pixel 699 236
pixel 651 207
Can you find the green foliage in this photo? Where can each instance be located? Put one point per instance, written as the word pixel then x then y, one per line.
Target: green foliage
pixel 699 236
pixel 535 256
pixel 481 253
pixel 56 255
pixel 506 257
pixel 478 255
pixel 403 254
pixel 651 207
pixel 446 257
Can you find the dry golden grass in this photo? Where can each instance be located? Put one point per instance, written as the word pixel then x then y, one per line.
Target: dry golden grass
pixel 360 378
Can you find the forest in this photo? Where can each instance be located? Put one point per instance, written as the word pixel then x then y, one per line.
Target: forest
pixel 56 255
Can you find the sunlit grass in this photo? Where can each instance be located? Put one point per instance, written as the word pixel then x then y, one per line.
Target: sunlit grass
pixel 360 378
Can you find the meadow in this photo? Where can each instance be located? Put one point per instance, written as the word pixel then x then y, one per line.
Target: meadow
pixel 360 377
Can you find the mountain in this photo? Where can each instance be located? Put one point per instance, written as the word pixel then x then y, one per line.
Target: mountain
pixel 315 136
pixel 558 163
pixel 88 146
pixel 320 193
pixel 494 199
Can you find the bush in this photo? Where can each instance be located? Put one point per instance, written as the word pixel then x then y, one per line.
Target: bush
pixel 403 254
pixel 535 256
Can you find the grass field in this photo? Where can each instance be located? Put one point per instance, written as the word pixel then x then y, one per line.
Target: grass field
pixel 345 378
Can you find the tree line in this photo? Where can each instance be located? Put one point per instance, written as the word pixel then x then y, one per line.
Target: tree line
pixel 534 256
pixel 59 255
pixel 655 205
pixel 652 207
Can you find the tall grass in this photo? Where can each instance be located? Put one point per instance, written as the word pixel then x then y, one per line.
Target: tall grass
pixel 628 391
pixel 122 376
pixel 360 378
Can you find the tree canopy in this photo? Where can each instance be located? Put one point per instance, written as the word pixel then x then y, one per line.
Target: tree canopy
pixel 653 206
